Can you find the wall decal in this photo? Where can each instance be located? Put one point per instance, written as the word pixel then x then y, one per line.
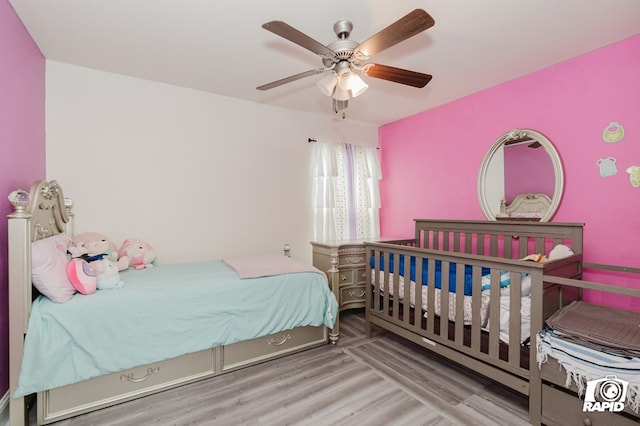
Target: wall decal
pixel 614 132
pixel 634 175
pixel 607 166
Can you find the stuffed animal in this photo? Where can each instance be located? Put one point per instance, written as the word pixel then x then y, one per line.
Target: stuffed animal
pixel 107 273
pixel 140 254
pixel 82 276
pixel 95 244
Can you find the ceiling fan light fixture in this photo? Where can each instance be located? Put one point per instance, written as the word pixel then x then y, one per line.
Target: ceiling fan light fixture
pixel 341 94
pixel 355 84
pixel 328 84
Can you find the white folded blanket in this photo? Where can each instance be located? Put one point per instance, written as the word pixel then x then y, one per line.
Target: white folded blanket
pixel 266 265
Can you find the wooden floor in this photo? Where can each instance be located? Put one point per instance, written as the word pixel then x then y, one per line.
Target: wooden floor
pixel 380 381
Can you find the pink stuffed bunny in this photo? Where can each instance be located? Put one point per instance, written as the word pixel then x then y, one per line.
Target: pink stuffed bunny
pixel 94 243
pixel 141 255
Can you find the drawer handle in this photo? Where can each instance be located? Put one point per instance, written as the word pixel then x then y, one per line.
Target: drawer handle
pixel 129 377
pixel 343 277
pixel 285 338
pixel 352 293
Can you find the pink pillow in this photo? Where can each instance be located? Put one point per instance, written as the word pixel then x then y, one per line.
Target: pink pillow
pixel 49 267
pixel 81 276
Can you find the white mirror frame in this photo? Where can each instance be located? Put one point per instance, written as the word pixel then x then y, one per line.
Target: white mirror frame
pixel 553 155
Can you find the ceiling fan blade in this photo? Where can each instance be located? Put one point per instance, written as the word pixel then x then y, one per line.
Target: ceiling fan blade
pixel 404 28
pixel 301 39
pixel 397 75
pixel 290 79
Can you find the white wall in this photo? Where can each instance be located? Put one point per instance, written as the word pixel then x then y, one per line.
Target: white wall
pixel 196 175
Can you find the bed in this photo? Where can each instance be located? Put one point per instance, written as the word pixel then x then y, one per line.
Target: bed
pixel 166 326
pixel 471 312
pixel 587 346
pixel 531 206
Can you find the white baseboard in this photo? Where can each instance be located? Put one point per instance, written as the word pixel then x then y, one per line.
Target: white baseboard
pixel 4 410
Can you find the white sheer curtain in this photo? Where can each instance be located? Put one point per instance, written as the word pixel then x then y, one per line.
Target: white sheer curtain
pixel 346 198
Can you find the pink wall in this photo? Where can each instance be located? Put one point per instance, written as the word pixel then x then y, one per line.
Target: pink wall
pixel 22 139
pixel 430 161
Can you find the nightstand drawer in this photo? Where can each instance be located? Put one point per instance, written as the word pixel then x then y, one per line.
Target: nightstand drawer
pixel 351 256
pixel 347 277
pixel 352 294
pixel 352 276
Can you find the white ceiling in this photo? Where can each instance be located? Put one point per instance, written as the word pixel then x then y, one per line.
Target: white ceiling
pixel 219 46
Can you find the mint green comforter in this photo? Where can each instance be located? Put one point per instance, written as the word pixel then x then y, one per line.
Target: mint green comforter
pixel 161 313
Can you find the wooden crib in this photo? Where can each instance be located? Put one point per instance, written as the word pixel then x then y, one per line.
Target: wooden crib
pixel 483 312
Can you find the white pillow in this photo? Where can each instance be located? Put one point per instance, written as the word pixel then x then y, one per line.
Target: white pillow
pixel 48 267
pixel 560 251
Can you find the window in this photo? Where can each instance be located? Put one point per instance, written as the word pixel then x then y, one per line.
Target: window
pixel 346 197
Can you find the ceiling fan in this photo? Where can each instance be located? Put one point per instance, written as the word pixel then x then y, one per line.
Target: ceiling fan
pixel 344 57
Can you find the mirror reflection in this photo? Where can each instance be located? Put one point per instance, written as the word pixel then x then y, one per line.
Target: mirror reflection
pixel 521 178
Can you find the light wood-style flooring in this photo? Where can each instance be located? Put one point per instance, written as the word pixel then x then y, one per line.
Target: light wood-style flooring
pixel 384 380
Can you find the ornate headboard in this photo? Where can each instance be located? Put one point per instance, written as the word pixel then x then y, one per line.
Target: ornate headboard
pixel 45 208
pixel 37 214
pixel 527 205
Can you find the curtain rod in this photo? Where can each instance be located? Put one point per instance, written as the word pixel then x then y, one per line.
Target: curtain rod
pixel 310 140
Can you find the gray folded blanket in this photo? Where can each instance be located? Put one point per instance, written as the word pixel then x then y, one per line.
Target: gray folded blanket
pixel 605 328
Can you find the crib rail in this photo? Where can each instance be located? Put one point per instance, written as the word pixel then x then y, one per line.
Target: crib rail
pixel 511 240
pixel 470 329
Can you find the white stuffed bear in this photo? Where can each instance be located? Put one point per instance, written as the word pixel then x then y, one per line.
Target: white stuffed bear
pixel 107 272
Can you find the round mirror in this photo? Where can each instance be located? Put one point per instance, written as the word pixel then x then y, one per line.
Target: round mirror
pixel 521 178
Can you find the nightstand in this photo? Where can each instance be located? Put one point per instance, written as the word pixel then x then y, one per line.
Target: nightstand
pixel 345 265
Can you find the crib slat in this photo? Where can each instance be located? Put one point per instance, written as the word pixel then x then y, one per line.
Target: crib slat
pixel 431 295
pixel 493 245
pixel 418 293
pixel 540 245
pixel 384 285
pixel 523 247
pixel 476 303
pixel 376 277
pixel 467 242
pixel 459 318
pixel 480 244
pixel 396 288
pixel 515 305
pixel 406 306
pixel 444 299
pixel 494 314
pixel 508 247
